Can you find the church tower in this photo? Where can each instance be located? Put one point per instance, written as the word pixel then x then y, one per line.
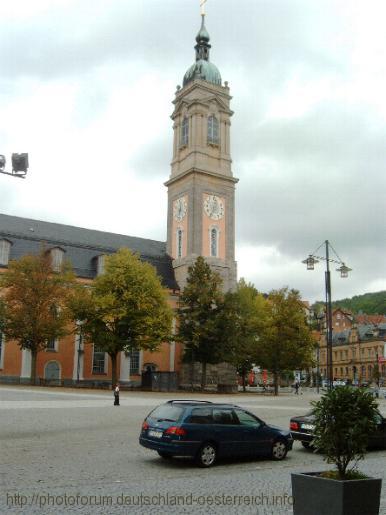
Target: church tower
pixel 201 187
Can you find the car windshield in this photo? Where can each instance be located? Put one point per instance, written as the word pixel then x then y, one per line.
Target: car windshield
pixel 167 412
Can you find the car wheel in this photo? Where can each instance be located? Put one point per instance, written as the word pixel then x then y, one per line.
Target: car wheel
pixel 279 450
pixel 207 455
pixel 164 455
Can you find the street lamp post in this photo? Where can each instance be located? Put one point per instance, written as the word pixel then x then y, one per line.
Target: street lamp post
pixel 317 368
pixel 80 341
pixel 343 269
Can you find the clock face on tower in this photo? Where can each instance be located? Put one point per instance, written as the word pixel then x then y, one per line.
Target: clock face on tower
pixel 179 209
pixel 214 207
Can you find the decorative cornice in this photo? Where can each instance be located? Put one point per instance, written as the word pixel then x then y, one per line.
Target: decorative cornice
pixel 191 171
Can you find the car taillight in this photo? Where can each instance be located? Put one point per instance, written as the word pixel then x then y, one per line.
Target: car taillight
pixel 174 430
pixel 145 425
pixel 294 426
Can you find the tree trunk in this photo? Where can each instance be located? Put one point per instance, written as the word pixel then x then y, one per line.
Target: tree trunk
pixel 203 376
pixel 34 355
pixel 276 382
pixel 113 369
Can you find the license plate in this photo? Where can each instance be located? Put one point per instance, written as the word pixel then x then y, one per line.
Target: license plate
pixel 310 427
pixel 156 434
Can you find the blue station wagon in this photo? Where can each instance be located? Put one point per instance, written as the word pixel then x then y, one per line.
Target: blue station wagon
pixel 205 431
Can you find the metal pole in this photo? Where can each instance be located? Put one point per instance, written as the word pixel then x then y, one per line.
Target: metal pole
pixel 317 368
pixel 329 320
pixel 79 351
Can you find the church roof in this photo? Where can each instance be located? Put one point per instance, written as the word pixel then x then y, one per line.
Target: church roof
pixel 82 245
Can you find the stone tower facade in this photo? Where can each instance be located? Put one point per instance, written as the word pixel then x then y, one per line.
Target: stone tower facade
pixel 201 187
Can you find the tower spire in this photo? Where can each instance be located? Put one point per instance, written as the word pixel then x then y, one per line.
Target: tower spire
pixel 202 38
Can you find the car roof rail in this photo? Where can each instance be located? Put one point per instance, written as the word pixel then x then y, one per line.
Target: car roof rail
pixel 189 400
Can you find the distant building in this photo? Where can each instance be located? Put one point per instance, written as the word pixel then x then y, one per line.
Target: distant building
pixel 356 352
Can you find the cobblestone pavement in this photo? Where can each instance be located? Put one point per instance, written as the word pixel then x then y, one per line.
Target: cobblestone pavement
pixel 69 451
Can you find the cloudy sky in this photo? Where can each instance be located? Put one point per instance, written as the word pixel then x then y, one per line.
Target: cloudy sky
pixel 86 89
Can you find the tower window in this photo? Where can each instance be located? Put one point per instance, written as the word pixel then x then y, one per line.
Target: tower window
pixel 213 131
pixel 179 243
pixel 5 247
pixel 185 132
pixel 214 242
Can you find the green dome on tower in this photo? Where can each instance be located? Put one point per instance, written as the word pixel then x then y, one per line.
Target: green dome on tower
pixel 202 69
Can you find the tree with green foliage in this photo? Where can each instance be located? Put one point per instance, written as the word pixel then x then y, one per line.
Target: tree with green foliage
pixel 285 340
pixel 344 418
pixel 34 303
pixel 242 318
pixel 368 303
pixel 199 317
pixel 125 308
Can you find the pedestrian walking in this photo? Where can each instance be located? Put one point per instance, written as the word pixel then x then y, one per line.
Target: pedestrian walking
pixel 116 395
pixel 297 388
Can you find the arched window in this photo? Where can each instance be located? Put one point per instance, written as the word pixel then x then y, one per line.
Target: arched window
pixel 56 258
pixel 214 234
pixel 213 132
pixel 2 341
pixel 5 248
pixel 100 264
pixel 185 132
pixel 179 242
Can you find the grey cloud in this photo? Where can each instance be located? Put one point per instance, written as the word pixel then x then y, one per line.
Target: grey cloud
pixel 326 184
pixel 153 161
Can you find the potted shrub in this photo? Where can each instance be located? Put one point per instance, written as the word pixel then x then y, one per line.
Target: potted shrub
pixel 344 417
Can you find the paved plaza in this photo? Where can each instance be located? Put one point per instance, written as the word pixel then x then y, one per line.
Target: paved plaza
pixel 69 451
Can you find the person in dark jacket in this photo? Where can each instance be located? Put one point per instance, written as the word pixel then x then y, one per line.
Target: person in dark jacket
pixel 116 395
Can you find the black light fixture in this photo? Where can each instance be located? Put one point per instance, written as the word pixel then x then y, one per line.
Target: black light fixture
pixel 310 262
pixel 20 165
pixel 343 269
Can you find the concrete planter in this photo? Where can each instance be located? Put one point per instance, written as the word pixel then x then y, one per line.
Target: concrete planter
pixel 315 495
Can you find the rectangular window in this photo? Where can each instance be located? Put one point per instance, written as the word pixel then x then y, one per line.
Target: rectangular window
pixel 99 361
pixel 134 362
pixel 52 345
